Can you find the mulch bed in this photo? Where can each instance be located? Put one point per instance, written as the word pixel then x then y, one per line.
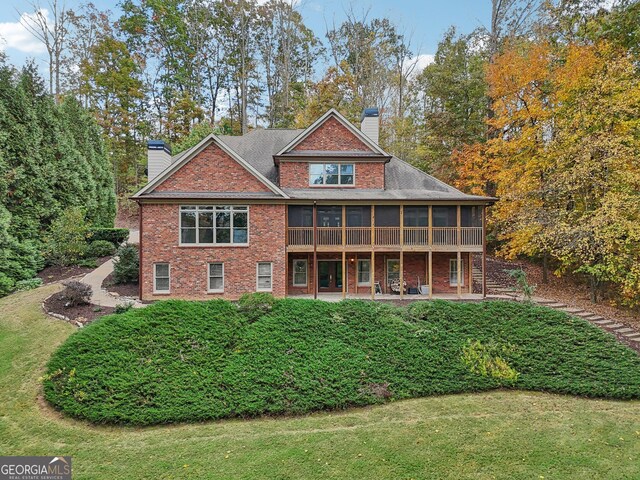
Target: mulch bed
pixel 54 273
pixel 78 315
pixel 121 289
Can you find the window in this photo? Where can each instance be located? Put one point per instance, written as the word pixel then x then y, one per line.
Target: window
pixel 209 225
pixel 364 272
pixel 161 278
pixel 299 273
pixel 331 174
pixel 264 283
pixel 453 273
pixel 216 277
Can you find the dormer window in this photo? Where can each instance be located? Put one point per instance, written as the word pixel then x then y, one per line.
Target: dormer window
pixel 331 174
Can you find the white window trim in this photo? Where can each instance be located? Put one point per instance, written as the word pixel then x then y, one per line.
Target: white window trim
pixel 306 272
pixel 324 175
pixel 214 244
pixel 214 290
pixel 161 292
pixel 258 289
pixel 453 280
pixel 363 284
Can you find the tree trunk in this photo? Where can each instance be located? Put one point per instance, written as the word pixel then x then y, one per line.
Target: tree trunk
pixel 545 268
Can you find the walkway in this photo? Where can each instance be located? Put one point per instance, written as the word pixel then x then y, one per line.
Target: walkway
pixel 95 278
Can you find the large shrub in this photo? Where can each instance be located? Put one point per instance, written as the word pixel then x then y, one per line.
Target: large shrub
pixel 179 361
pixel 113 235
pixel 77 293
pixel 66 241
pixel 126 264
pixel 100 248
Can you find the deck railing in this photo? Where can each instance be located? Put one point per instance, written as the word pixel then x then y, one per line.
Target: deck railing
pixel 386 236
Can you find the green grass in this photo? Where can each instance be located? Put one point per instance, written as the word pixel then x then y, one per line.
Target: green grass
pixel 180 361
pixel 500 434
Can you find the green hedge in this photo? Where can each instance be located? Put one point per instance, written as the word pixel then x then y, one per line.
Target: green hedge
pixel 113 235
pixel 178 361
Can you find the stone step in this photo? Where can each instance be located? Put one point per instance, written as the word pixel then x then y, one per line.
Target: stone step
pixel 587 315
pixel 603 322
pixel 633 336
pixel 572 310
pixel 637 339
pixel 613 326
pixel 624 330
pixel 557 306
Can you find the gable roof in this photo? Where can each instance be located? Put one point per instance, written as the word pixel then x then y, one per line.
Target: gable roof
pixel 257 150
pixel 332 113
pixel 181 159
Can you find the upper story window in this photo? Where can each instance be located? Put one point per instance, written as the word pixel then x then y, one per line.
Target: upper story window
pixel 331 174
pixel 214 225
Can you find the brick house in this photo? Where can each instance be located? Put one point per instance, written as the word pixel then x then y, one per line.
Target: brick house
pixel 303 212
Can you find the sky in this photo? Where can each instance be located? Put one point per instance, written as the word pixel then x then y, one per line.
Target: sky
pixel 424 22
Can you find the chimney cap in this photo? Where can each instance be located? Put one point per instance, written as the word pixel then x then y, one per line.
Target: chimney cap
pixel 158 145
pixel 370 112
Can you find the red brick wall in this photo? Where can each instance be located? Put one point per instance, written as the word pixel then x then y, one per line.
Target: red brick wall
pixel 369 175
pixel 332 135
pixel 212 170
pixel 414 265
pixel 160 232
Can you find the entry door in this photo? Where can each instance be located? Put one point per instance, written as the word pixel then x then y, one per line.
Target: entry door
pixel 329 276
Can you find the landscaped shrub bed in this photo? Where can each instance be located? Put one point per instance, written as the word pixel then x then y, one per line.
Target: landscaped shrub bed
pixel 178 361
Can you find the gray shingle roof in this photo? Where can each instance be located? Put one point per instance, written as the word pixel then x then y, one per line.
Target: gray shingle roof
pixel 402 180
pixel 260 145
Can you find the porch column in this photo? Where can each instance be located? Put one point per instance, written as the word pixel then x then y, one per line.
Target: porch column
pixel 430 274
pixel 458 274
pixel 315 250
pixel 459 241
pixel 470 272
pixel 401 274
pixel 286 251
pixel 484 252
pixel 401 251
pixel 344 266
pixel 372 274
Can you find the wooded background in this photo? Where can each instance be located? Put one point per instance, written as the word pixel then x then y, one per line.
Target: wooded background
pixel 541 108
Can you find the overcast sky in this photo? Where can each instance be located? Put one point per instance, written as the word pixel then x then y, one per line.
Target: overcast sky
pixel 423 21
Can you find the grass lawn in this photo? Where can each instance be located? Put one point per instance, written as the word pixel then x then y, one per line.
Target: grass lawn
pixel 500 434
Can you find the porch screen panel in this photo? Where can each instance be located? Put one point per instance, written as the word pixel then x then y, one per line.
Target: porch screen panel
pixel 416 216
pixel 359 216
pixel 445 216
pixel 329 216
pixel 471 216
pixel 387 216
pixel 300 216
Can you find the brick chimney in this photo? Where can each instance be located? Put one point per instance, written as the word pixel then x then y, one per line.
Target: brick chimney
pixel 158 158
pixel 370 124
